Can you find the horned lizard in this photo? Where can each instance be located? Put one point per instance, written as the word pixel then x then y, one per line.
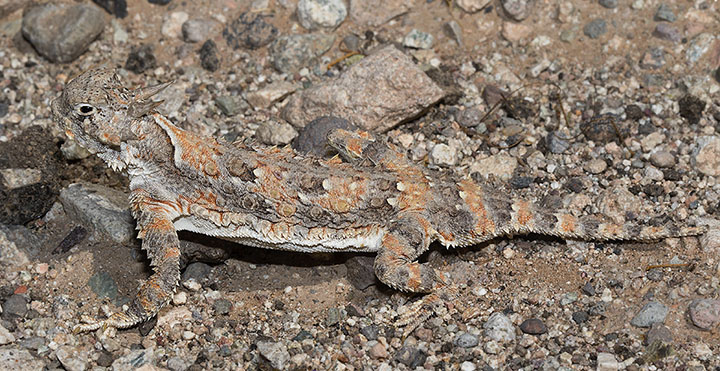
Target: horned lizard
pixel 376 200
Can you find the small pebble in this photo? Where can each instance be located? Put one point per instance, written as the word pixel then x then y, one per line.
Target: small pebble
pixel 658 332
pixel 705 313
pixel 222 306
pixel 518 10
pixel 533 326
pixel 667 32
pixel 314 14
pixel 499 327
pixel 378 351
pixel 589 289
pixel 607 362
pixel 664 13
pixel 180 298
pixel 418 40
pixel 662 159
pixel 610 4
pixel 466 340
pixel 652 312
pixel 596 166
pixel 595 28
pixel 492 347
pixel 580 317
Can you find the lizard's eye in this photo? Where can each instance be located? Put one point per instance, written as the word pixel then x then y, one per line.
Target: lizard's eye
pixel 84 109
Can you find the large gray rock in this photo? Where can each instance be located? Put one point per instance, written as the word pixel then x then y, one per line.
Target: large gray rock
pixel 376 93
pixel 106 209
pixel 61 32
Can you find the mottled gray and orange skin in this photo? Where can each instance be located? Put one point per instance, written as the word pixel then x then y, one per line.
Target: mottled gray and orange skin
pixel 377 200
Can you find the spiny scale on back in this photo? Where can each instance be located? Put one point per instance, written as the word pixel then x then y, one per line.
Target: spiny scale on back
pixel 377 200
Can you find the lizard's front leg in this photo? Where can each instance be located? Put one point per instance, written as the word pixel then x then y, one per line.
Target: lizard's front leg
pixel 396 266
pixel 160 240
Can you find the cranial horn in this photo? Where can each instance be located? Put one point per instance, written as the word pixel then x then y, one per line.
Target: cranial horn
pixel 142 104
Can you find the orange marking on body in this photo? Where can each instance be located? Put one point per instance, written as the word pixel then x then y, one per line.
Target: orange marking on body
pixel 111 138
pixel 427 227
pixel 354 145
pixel 171 253
pixel 317 233
pixel 159 224
pixel 415 195
pixel 523 212
pixel 447 236
pixel 473 199
pixel 391 243
pixel 118 98
pixel 344 194
pixel 567 223
pixel 196 151
pixel 414 280
pixel 281 230
pixel 611 229
pixel 158 206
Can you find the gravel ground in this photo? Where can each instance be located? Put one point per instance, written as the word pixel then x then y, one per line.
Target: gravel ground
pixel 596 107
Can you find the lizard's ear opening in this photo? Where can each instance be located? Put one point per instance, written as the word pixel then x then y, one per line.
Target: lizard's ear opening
pixel 142 103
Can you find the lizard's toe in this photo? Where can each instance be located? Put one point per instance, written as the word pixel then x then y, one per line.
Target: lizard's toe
pixel 117 320
pixel 413 315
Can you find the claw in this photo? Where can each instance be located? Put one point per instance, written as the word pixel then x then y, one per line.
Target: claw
pixel 114 320
pixel 413 315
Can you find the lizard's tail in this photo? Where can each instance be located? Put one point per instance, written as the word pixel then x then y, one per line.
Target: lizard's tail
pixel 527 220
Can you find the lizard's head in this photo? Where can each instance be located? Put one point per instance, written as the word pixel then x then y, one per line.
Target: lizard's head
pixel 97 111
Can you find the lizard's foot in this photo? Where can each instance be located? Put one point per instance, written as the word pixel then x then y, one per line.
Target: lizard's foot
pixel 413 315
pixel 115 320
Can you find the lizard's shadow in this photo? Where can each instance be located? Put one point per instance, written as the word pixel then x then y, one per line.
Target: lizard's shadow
pixel 246 267
pixel 239 266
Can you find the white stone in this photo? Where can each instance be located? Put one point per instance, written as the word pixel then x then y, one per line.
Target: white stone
pixel 276 133
pixel 444 155
pixel 652 140
pixel 172 27
pixel 174 316
pixel 6 337
pixel 418 39
pixel 180 298
pixel 198 30
pixel 501 165
pixel 607 362
pixel 707 155
pixel 265 97
pixel 653 173
pixel 314 14
pixel 702 350
pixel 16 178
pixel 472 6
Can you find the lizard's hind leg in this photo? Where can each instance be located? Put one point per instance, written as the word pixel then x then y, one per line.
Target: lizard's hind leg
pixel 161 242
pixel 396 266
